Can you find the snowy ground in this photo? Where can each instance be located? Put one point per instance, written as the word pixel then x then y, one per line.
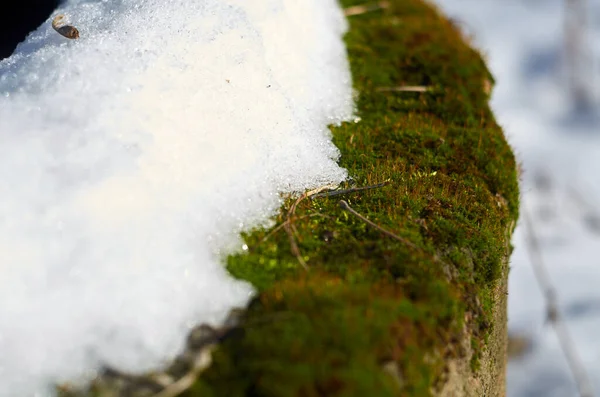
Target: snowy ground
pixel 132 157
pixel 560 154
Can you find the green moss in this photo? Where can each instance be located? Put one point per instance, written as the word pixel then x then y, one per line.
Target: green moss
pixel 369 299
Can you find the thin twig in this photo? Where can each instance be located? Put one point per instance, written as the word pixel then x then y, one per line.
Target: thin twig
pixel 278 228
pixel 543 278
pixel 294 246
pixel 202 362
pixel 364 8
pixel 404 241
pixel 348 191
pixel 591 217
pixel 289 224
pixel 282 224
pixel 405 88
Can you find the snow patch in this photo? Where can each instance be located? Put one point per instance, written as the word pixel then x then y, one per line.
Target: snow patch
pixel 132 157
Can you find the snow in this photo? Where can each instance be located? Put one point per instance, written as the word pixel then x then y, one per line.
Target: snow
pixel 131 159
pixel 559 148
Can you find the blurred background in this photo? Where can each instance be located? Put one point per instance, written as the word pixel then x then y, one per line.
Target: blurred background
pixel 545 57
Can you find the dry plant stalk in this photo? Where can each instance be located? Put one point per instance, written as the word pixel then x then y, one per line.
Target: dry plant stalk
pixel 202 362
pixel 552 312
pixel 329 193
pixel 364 8
pixel 348 191
pixel 351 210
pixel 60 25
pixel 578 55
pixel 345 206
pixel 291 229
pixel 282 224
pixel 406 88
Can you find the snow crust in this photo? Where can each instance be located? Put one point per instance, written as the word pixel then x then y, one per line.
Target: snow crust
pixel 131 159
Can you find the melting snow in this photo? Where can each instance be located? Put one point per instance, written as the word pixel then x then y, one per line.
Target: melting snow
pixel 130 160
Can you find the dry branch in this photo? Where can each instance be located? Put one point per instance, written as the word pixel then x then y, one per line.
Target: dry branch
pixel 552 312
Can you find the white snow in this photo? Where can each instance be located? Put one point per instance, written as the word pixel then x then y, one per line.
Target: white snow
pixel 130 160
pixel 523 41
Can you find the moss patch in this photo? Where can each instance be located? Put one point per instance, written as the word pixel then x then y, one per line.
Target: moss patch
pixel 370 301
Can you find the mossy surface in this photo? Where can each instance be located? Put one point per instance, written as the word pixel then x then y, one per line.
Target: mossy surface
pixel 369 301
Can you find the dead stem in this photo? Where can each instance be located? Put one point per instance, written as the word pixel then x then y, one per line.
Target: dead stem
pixel 404 241
pixel 552 312
pixel 364 8
pixel 282 224
pixel 202 362
pixel 348 191
pixel 405 88
pixel 289 224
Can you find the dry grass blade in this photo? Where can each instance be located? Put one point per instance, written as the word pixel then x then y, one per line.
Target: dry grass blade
pixel 404 241
pixel 405 88
pixel 202 362
pixel 282 225
pixel 348 191
pixel 364 8
pixel 587 210
pixel 289 227
pixel 543 278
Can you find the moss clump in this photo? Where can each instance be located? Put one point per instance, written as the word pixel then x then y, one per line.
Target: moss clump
pixel 370 302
